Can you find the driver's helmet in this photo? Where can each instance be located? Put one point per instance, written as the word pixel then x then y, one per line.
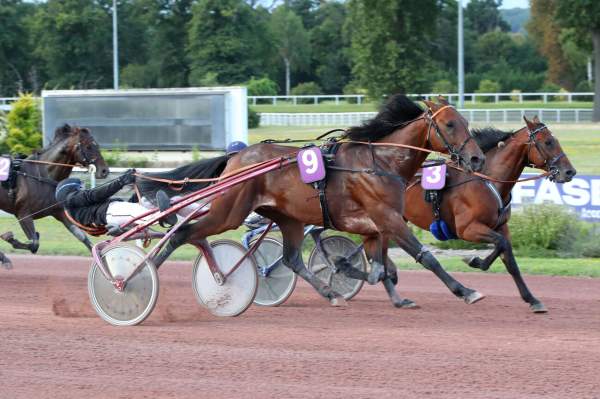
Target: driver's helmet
pixel 66 187
pixel 234 147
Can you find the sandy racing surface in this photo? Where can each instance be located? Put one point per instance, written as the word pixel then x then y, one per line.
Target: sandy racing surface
pixel 52 345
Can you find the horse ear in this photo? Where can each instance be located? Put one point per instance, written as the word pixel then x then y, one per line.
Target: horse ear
pixel 442 100
pixel 536 120
pixel 430 104
pixel 530 124
pixel 63 132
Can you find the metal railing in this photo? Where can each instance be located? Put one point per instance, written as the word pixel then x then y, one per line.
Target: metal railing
pixel 548 115
pixel 472 97
pixel 5 103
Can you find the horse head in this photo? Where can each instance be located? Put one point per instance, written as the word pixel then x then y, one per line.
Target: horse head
pixel 82 146
pixel 545 152
pixel 452 135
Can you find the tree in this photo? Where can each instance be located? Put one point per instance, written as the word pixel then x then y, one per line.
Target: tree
pixel 24 125
pixel 152 42
pixel 291 41
pixel 545 31
pixel 389 44
pixel 227 39
pixel 584 17
pixel 15 59
pixel 329 48
pixel 483 16
pixel 73 40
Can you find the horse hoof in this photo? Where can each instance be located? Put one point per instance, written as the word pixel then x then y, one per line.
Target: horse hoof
pixel 338 301
pixel 473 297
pixel 7 236
pixel 406 304
pixel 7 264
pixel 538 308
pixel 473 261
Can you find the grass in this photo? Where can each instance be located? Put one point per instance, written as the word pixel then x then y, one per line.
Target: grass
pixel 328 106
pixel 575 267
pixel 580 142
pixel 56 240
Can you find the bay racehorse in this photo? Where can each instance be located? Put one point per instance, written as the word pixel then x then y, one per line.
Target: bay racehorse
pixel 31 194
pixel 369 171
pixel 478 210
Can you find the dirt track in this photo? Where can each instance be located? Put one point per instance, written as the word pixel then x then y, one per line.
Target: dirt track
pixel 53 345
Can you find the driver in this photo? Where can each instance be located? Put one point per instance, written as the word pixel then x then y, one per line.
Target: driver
pixel 95 208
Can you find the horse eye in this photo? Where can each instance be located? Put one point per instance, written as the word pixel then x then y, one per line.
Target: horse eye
pixel 548 143
pixel 88 147
pixel 450 124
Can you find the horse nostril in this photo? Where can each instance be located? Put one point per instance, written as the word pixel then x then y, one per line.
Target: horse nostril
pixel 570 172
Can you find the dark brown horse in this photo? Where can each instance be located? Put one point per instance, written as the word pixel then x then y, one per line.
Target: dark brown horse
pixel 474 208
pixel 33 195
pixel 362 192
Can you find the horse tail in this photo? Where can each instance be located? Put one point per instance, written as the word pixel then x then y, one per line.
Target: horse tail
pixel 203 169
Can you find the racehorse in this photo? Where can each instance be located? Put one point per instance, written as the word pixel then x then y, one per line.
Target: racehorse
pixel 370 170
pixel 478 210
pixel 32 196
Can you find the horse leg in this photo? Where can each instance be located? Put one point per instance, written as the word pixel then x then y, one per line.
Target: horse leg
pixel 477 232
pixel 414 248
pixel 76 231
pixel 375 250
pixel 29 230
pixel 5 262
pixel 508 258
pixel 292 232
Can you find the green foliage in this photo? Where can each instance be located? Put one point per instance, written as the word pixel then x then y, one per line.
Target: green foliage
pixel 291 41
pixel 488 86
pixel 483 16
pixel 72 39
pixel 253 119
pixel 388 44
pixel 306 88
pixel 329 45
pixel 543 227
pixel 262 87
pixel 443 86
pixel 24 125
pixel 228 39
pixel 3 134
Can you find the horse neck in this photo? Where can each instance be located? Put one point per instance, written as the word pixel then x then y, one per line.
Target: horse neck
pixel 405 162
pixel 58 153
pixel 507 163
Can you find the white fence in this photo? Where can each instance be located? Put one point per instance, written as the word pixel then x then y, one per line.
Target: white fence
pixel 5 103
pixel 472 97
pixel 473 115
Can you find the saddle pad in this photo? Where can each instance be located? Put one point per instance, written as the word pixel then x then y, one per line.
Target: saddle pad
pixel 434 177
pixel 4 168
pixel 311 165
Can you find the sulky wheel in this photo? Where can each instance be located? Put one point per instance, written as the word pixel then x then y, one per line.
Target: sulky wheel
pixel 337 246
pixel 136 301
pixel 236 294
pixel 276 285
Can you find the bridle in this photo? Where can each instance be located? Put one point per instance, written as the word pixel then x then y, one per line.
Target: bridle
pixel 549 165
pixel 85 157
pixel 455 154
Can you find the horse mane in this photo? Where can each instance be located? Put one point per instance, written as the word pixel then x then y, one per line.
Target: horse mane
pixel 398 109
pixel 203 169
pixel 489 137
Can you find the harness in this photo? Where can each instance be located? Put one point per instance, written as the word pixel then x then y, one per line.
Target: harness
pixel 329 150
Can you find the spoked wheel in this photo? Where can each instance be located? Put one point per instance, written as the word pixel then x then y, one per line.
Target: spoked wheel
pixel 137 300
pixel 237 292
pixel 276 287
pixel 337 246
